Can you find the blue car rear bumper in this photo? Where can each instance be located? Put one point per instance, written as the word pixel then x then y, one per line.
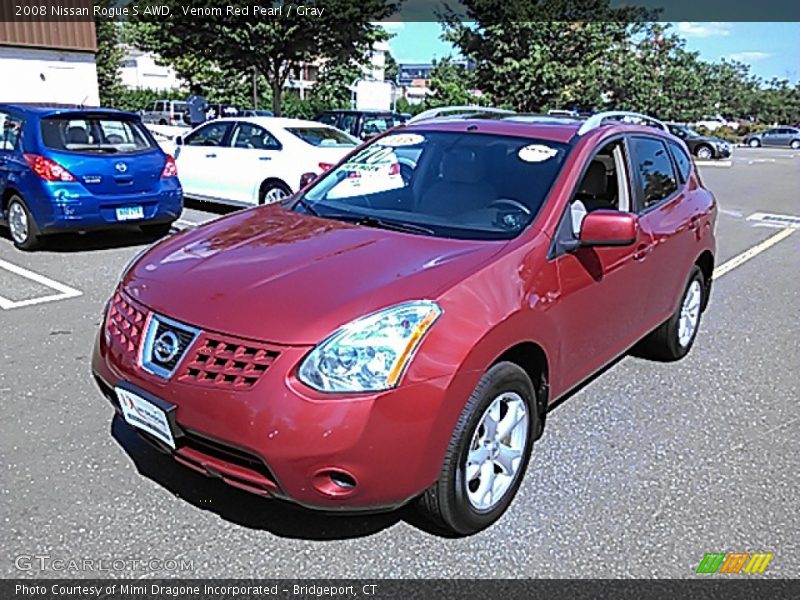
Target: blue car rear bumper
pixel 68 206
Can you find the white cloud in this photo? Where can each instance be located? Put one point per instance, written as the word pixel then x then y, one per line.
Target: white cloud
pixel 704 29
pixel 749 57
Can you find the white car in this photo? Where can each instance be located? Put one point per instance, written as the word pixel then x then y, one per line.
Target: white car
pixel 256 160
pixel 714 123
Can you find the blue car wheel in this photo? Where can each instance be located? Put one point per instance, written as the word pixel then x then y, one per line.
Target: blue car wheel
pixel 22 226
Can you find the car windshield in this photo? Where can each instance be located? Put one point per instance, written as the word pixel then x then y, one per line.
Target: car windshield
pixel 448 184
pixel 94 134
pixel 324 137
pixel 179 106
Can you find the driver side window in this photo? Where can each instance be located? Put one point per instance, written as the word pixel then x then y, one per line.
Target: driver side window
pixel 212 134
pixel 604 185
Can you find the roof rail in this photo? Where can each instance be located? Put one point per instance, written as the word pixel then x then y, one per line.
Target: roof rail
pixel 595 121
pixel 454 110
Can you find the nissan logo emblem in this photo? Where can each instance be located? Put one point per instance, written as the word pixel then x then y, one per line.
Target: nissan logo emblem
pixel 166 347
pixel 121 167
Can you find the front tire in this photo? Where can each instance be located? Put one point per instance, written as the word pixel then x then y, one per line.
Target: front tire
pixel 754 143
pixel 22 226
pixel 674 338
pixel 487 454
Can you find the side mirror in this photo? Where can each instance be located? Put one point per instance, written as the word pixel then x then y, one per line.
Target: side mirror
pixel 609 228
pixel 179 140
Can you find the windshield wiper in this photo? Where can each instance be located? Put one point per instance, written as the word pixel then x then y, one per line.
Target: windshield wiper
pixel 370 221
pixel 306 205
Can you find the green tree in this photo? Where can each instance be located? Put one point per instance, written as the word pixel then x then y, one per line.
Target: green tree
pixel 108 59
pixel 391 69
pixel 541 54
pixel 450 84
pixel 273 46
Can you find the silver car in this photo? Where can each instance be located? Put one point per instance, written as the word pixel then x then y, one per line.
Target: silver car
pixel 777 136
pixel 165 112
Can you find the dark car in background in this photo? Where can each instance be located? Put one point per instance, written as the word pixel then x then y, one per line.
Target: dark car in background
pixel 775 136
pixel 363 124
pixel 702 146
pixel 75 169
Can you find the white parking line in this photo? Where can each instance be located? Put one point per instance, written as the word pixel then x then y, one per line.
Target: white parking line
pixel 774 220
pixel 181 224
pixel 64 291
pixel 742 258
pixel 714 163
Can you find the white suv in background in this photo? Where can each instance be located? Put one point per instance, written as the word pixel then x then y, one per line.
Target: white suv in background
pixel 165 112
pixel 256 160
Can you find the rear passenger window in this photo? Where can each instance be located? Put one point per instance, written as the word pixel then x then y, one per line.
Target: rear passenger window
pixel 682 160
pixel 10 128
pixel 653 168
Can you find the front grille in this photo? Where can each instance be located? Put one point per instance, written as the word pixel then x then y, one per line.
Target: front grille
pixel 165 344
pixel 125 322
pixel 227 362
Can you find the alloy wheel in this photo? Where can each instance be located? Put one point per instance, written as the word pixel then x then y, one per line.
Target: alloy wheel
pixel 704 153
pixel 496 451
pixel 275 194
pixel 690 313
pixel 18 223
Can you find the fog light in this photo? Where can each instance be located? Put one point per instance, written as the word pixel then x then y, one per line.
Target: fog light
pixel 334 483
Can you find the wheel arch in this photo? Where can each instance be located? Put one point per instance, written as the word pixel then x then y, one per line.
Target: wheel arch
pixel 532 358
pixel 267 182
pixel 6 198
pixel 706 263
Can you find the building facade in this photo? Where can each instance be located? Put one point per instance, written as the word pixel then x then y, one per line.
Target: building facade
pixel 47 61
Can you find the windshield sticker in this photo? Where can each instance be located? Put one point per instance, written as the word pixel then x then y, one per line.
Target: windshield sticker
pixel 536 153
pixel 401 139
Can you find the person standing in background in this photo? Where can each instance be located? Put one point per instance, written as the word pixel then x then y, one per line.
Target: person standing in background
pixel 196 107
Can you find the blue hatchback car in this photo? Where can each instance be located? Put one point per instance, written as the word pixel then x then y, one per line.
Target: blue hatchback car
pixel 80 169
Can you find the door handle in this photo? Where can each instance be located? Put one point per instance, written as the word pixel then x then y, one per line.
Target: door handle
pixel 642 251
pixel 694 222
pixel 211 156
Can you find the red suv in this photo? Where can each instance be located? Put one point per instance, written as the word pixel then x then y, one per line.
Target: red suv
pixel 396 331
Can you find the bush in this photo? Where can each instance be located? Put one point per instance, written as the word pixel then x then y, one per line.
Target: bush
pixel 137 99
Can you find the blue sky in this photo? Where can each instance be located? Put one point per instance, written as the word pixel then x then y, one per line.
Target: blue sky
pixel 771 49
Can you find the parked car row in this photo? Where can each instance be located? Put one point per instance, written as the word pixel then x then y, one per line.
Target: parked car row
pixel 337 330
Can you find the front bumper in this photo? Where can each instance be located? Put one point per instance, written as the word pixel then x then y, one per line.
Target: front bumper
pixel 278 438
pixel 69 206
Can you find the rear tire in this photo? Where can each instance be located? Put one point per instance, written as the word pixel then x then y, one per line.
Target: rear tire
pixel 487 454
pixel 674 338
pixel 158 230
pixel 273 192
pixel 795 144
pixel 704 152
pixel 22 226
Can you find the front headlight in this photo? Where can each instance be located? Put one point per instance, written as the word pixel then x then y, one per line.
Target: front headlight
pixel 371 353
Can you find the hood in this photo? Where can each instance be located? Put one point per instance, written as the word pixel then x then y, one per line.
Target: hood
pixel 278 276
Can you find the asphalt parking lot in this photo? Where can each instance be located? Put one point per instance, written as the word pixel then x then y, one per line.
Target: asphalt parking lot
pixel 639 474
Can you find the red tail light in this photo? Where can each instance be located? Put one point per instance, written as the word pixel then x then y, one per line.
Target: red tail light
pixel 47 169
pixel 170 169
pixel 325 166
